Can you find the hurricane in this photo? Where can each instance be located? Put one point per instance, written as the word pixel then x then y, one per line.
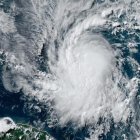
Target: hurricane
pixel 73 66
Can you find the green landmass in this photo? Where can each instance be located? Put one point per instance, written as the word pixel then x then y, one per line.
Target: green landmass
pixel 25 132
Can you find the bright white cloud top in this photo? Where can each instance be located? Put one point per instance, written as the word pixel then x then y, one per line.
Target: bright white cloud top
pixel 85 79
pixel 86 90
pixel 6 124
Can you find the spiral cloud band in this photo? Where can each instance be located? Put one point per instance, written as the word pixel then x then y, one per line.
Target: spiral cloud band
pixel 79 58
pixel 84 72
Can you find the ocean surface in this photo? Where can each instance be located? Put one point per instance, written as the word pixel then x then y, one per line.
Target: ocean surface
pixel 72 67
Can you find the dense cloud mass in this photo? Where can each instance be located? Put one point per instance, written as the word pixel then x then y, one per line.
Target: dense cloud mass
pixel 79 57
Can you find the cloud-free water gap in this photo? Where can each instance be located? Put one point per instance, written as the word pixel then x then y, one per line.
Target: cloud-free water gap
pixel 85 82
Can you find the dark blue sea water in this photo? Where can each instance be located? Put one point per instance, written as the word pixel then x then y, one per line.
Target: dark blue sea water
pixel 20 106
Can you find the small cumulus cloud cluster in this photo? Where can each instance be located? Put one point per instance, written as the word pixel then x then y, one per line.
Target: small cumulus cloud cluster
pixel 83 80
